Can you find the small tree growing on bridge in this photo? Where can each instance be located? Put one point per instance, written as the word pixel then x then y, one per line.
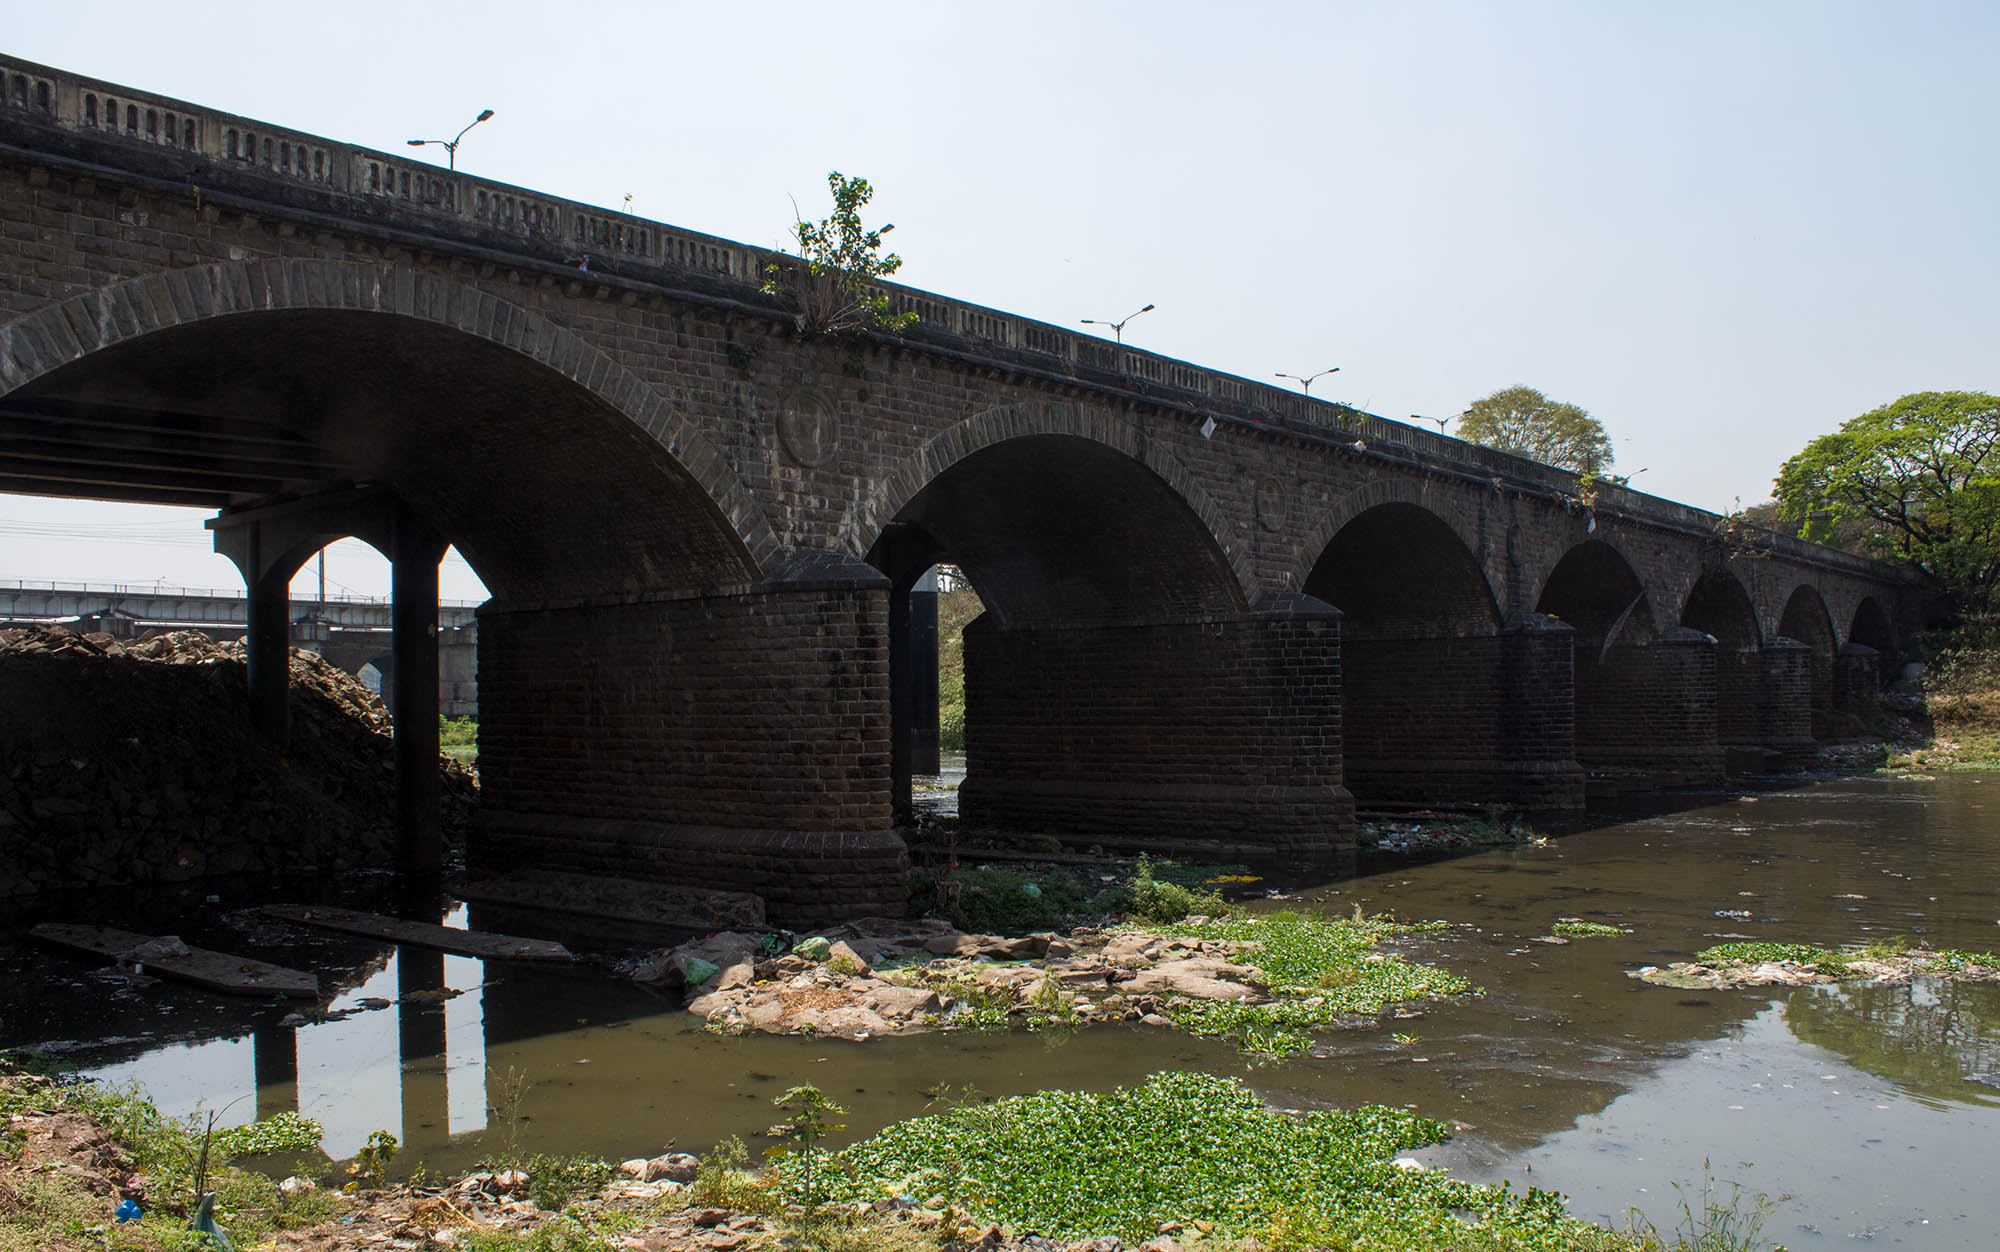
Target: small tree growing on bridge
pixel 832 278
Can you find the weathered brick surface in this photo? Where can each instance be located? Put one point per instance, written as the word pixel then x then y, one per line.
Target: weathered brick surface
pixel 1463 720
pixel 1224 730
pixel 1650 711
pixel 621 454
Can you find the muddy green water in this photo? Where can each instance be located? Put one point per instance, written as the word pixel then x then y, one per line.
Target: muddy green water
pixel 1855 1110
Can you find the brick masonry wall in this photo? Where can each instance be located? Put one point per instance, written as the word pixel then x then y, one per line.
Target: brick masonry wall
pixel 1857 680
pixel 1650 710
pixel 738 742
pixel 1464 720
pixel 1784 702
pixel 1212 730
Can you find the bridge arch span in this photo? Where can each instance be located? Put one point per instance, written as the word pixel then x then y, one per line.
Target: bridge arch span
pixel 1872 627
pixel 1391 489
pixel 1111 483
pixel 1595 587
pixel 1398 569
pixel 556 469
pixel 1806 619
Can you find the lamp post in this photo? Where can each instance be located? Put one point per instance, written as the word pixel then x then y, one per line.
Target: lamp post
pixel 1117 327
pixel 1305 381
pixel 451 145
pixel 1418 417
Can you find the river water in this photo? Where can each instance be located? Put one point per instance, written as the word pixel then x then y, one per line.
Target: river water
pixel 1854 1109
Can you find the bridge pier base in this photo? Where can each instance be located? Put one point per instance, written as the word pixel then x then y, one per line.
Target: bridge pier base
pixel 1785 702
pixel 738 742
pixel 1645 715
pixel 1217 731
pixel 1857 680
pixel 1464 720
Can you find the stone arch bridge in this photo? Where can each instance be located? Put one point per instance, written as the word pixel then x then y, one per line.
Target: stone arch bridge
pixel 1214 609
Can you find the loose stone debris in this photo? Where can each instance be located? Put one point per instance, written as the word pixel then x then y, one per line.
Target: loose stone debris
pixel 882 976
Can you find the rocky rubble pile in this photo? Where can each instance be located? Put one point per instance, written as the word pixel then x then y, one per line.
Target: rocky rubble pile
pixel 880 976
pixel 124 763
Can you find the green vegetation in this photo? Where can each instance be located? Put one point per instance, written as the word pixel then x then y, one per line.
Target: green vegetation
pixel 810 1120
pixel 956 608
pixel 1524 421
pixel 571 1232
pixel 1822 960
pixel 458 738
pixel 1917 482
pixel 990 899
pixel 1319 969
pixel 1162 900
pixel 1195 1148
pixel 1962 695
pixel 59 1208
pixel 832 279
pixel 1571 928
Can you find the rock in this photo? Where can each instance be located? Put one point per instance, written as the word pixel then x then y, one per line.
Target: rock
pixel 843 953
pixel 741 974
pixel 708 1219
pixel 634 1168
pixel 1165 1243
pixel 1197 978
pixel 673 1167
pixel 815 948
pixel 904 1003
pixel 295 1185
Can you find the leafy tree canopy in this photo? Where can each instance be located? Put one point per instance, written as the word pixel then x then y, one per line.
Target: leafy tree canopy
pixel 1524 421
pixel 839 260
pixel 1917 481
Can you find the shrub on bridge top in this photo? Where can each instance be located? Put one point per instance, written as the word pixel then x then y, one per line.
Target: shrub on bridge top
pixel 832 278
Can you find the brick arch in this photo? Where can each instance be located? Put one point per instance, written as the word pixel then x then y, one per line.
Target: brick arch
pixel 1389 489
pixel 995 426
pixel 1398 569
pixel 1579 599
pixel 67 333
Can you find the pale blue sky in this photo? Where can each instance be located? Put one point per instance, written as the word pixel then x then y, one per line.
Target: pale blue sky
pixel 1721 228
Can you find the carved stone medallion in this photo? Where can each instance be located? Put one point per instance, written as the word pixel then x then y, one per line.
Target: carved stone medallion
pixel 1272 507
pixel 809 427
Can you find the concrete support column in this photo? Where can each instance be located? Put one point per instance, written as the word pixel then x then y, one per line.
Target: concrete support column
pixel 1162 735
pixel 1784 702
pixel 1857 680
pixel 267 649
pixel 737 742
pixel 415 550
pixel 1645 716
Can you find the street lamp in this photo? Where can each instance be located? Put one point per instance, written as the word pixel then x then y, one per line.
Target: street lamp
pixel 1117 327
pixel 451 144
pixel 1305 382
pixel 1418 417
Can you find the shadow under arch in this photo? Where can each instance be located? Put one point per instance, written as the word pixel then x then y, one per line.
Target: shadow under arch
pixel 639 594
pixel 1117 685
pixel 557 471
pixel 1070 431
pixel 1645 715
pixel 1762 698
pixel 1443 702
pixel 1807 620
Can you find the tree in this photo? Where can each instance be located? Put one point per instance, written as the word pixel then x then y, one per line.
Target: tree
pixel 1524 421
pixel 1918 481
pixel 838 262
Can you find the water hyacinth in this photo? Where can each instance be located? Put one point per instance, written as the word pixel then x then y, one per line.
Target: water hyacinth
pixel 1184 1147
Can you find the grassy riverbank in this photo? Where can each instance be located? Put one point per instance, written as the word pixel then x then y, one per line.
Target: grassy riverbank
pixel 1962 694
pixel 1179 1163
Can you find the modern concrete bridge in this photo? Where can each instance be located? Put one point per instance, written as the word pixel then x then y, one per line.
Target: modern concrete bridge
pixel 1215 609
pixel 352 633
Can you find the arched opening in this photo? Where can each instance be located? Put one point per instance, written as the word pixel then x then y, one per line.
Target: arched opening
pixel 1863 665
pixel 1806 620
pixel 624 596
pixel 1433 687
pixel 1870 627
pixel 1113 635
pixel 1718 606
pixel 1644 711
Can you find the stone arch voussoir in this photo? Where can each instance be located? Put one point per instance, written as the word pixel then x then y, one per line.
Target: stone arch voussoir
pixel 1036 417
pixel 1390 489
pixel 49 338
